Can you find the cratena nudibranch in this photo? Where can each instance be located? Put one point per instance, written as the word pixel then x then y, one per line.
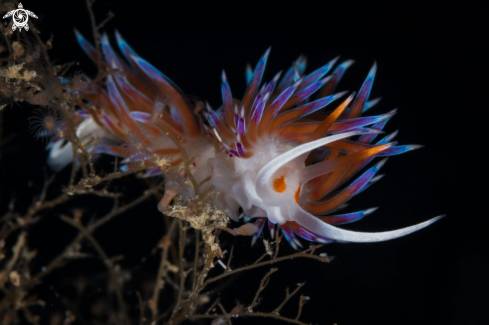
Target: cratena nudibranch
pixel 285 155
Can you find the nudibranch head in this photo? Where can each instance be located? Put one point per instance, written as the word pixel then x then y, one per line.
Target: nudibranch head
pixel 287 158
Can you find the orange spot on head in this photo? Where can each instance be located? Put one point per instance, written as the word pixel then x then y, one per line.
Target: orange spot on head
pixel 279 184
pixel 296 196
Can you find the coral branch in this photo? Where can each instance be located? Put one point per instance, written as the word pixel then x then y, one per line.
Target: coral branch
pixel 302 254
pixel 263 284
pixel 108 263
pixel 287 297
pixel 162 269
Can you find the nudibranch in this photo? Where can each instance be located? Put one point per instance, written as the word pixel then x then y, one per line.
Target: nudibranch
pixel 283 155
pixel 286 157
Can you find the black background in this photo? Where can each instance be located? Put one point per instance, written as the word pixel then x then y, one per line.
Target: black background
pixel 432 64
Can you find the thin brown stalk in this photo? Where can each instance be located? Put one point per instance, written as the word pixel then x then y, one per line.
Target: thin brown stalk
pixel 253 314
pixel 66 68
pixel 147 194
pixel 260 258
pixel 44 49
pixel 182 275
pixel 211 307
pixel 278 239
pixel 302 301
pixel 287 297
pixel 302 254
pixel 162 270
pixel 57 261
pixel 228 264
pixel 142 307
pixel 105 21
pixel 263 285
pixel 225 313
pixel 179 317
pixel 196 257
pixel 96 36
pixel 108 263
pixel 208 178
pixel 74 166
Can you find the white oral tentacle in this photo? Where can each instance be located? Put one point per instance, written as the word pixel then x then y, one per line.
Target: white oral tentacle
pixel 325 230
pixel 266 173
